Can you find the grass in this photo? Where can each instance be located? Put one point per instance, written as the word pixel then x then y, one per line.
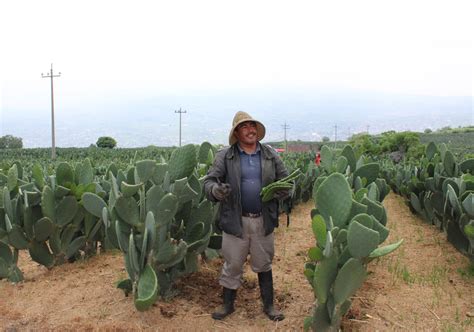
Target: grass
pixel 419 234
pixel 400 271
pixel 457 324
pixel 435 277
pixel 466 273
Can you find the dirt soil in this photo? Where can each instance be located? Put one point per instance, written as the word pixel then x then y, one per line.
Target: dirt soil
pixel 425 285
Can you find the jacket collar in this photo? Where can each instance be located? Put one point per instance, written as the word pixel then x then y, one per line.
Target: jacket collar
pixel 234 149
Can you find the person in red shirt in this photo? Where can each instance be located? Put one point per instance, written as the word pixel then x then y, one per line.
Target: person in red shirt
pixel 317 161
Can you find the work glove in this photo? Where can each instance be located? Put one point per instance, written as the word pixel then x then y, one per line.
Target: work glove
pixel 281 194
pixel 221 191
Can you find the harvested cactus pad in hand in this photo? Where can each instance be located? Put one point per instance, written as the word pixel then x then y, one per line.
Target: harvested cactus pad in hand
pixel 269 191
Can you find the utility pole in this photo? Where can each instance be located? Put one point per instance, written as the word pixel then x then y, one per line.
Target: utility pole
pixel 285 128
pixel 368 129
pixel 180 112
pixel 51 75
pixel 335 136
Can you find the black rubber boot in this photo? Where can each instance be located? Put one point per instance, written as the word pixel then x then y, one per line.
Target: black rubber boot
pixel 228 307
pixel 265 281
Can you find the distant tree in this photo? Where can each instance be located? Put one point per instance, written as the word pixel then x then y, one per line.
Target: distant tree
pixel 11 142
pixel 106 142
pixel 364 143
pixel 401 141
pixel 428 131
pixel 326 139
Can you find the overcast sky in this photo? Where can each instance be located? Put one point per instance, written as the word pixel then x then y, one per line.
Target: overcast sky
pixel 114 50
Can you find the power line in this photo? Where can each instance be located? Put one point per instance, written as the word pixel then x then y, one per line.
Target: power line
pixel 51 75
pixel 180 112
pixel 285 128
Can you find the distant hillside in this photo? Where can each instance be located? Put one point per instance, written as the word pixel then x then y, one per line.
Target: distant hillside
pixel 458 141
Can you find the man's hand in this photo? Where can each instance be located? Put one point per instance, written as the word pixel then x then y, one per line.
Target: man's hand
pixel 221 191
pixel 281 194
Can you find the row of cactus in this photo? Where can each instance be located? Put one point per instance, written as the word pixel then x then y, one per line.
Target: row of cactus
pixel 73 212
pixel 44 214
pixel 441 191
pixel 349 225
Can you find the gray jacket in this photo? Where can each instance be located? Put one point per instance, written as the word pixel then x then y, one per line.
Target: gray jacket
pixel 226 167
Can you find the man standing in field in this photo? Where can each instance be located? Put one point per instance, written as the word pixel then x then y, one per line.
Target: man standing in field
pixel 235 180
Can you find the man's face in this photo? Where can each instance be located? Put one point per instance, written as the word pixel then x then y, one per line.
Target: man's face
pixel 246 133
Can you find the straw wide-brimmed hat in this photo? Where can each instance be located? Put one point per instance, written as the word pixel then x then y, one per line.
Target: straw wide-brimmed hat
pixel 243 117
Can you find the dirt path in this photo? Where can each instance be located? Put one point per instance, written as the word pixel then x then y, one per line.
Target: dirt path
pixel 423 286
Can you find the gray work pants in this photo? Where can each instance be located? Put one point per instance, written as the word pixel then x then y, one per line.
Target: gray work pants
pixel 235 250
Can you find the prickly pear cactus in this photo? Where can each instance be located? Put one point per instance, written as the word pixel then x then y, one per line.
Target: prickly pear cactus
pixel 348 233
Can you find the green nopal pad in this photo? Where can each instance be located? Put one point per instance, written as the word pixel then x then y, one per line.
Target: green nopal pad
pixel 324 275
pixel 348 152
pixel 326 158
pixel 43 229
pixel 183 191
pixel 12 177
pixel 147 289
pixel 127 209
pixel 145 170
pixel 468 204
pixel 203 152
pixel 449 163
pixel 356 208
pixel 38 176
pixel 40 253
pixel 17 238
pixel 364 219
pixel 48 203
pixel 361 240
pixel 382 251
pixel 7 203
pixel 153 197
pixel 93 204
pixel 84 173
pixel 170 254
pixel 369 171
pixel 375 209
pixel 453 199
pixel 348 280
pixel 431 150
pixel 182 162
pixel 167 208
pixel 341 164
pixel 128 190
pixel 334 199
pixel 381 229
pixel 159 173
pixel 319 230
pixel 315 254
pixel 5 253
pixel 64 174
pixel 415 203
pixel 467 166
pixel 66 210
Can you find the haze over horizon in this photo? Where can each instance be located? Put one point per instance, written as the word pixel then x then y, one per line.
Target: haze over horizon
pixel 126 68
